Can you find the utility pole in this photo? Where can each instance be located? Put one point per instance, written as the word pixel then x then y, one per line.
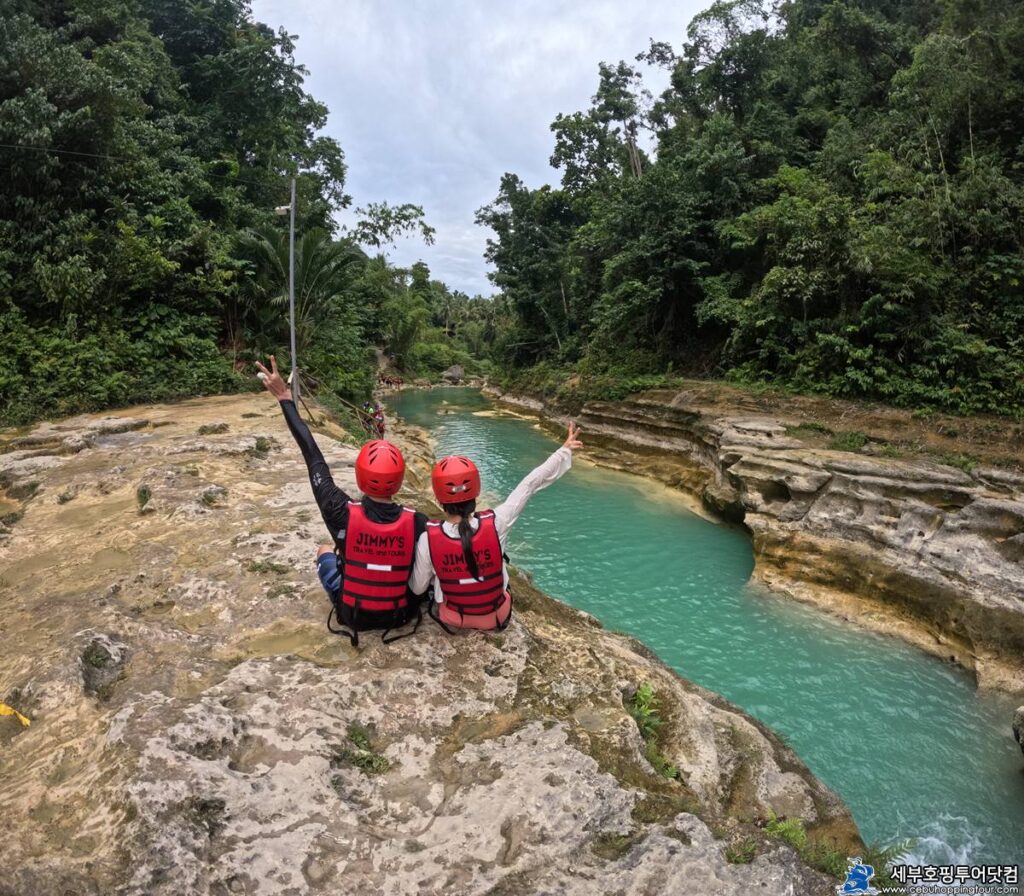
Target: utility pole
pixel 290 210
pixel 291 299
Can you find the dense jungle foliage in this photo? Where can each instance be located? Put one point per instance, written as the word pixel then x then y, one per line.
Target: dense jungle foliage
pixel 831 198
pixel 145 145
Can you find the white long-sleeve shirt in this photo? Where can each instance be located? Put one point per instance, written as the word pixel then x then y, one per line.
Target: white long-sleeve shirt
pixel 505 514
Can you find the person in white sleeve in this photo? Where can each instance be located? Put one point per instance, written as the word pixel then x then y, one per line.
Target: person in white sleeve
pixel 463 554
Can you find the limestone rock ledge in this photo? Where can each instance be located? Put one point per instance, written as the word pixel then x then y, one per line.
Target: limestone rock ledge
pixel 916 547
pixel 195 729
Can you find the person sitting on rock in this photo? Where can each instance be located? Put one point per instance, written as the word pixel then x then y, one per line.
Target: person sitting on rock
pixel 366 571
pixel 462 555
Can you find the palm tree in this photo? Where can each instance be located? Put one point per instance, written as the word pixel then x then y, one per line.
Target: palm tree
pixel 323 269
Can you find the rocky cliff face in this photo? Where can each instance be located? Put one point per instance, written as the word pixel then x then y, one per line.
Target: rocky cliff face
pixel 195 729
pixel 912 546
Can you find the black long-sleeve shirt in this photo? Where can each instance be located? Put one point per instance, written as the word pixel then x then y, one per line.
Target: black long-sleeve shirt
pixel 332 500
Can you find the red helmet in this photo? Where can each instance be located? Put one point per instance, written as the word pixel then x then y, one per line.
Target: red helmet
pixel 455 479
pixel 379 469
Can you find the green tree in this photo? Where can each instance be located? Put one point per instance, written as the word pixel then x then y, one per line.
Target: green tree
pixel 834 203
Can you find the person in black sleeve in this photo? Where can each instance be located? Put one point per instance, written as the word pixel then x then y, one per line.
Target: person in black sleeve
pixel 366 571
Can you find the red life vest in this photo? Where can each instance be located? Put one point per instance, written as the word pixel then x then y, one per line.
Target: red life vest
pixel 378 559
pixel 461 592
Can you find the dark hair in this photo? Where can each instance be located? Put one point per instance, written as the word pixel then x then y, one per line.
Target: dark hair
pixel 465 510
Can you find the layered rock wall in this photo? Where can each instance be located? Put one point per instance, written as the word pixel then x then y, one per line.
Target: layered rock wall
pixel 921 548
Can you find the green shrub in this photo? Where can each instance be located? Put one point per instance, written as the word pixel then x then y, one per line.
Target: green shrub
pixel 48 372
pixel 742 852
pixel 265 566
pixel 22 491
pixel 360 753
pixel 965 462
pixel 791 830
pixel 808 429
pixel 261 447
pixel 848 441
pixel 643 707
pixel 828 857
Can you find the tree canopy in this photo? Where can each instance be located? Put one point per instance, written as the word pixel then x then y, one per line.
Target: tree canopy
pixel 146 144
pixel 829 195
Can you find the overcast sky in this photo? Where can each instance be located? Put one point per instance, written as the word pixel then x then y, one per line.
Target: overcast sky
pixel 433 101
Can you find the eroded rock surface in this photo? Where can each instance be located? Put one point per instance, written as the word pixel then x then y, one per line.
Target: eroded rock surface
pixel 885 540
pixel 196 730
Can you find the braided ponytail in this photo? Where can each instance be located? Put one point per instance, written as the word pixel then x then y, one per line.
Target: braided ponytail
pixel 464 511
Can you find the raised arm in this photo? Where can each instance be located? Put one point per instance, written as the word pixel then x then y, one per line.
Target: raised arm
pixel 332 501
pixel 556 466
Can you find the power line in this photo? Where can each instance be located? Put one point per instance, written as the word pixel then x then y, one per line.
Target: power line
pixel 109 158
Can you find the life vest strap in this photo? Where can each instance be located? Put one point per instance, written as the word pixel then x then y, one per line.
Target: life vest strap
pixel 386 640
pixel 461 595
pixel 434 611
pixel 480 608
pixel 470 580
pixel 363 599
pixel 378 567
pixel 369 582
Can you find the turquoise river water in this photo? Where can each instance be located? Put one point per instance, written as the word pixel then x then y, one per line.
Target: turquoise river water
pixel 906 740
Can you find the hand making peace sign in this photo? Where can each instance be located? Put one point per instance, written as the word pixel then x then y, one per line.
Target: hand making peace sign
pixel 572 441
pixel 273 381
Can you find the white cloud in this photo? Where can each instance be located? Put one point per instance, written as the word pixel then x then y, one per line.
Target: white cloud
pixel 433 101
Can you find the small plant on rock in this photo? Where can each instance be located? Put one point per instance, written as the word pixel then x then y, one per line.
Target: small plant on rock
pixel 789 829
pixel 808 429
pixel 742 852
pixel 829 857
pixel 95 655
pixel 360 753
pixel 265 566
pixel 612 846
pixel 643 707
pixel 142 495
pixel 965 462
pixel 9 519
pixel 261 447
pixel 212 429
pixel 212 494
pixel 848 441
pixel 23 490
pixel 660 764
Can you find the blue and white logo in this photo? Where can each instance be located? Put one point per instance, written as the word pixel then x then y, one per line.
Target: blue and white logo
pixel 858 879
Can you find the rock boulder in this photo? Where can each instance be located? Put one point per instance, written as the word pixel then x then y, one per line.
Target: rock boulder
pixel 453 374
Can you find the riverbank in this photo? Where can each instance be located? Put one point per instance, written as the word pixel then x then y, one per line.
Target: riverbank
pixel 195 729
pixel 902 545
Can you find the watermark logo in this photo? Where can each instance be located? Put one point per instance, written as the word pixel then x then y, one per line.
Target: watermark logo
pixel 858 879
